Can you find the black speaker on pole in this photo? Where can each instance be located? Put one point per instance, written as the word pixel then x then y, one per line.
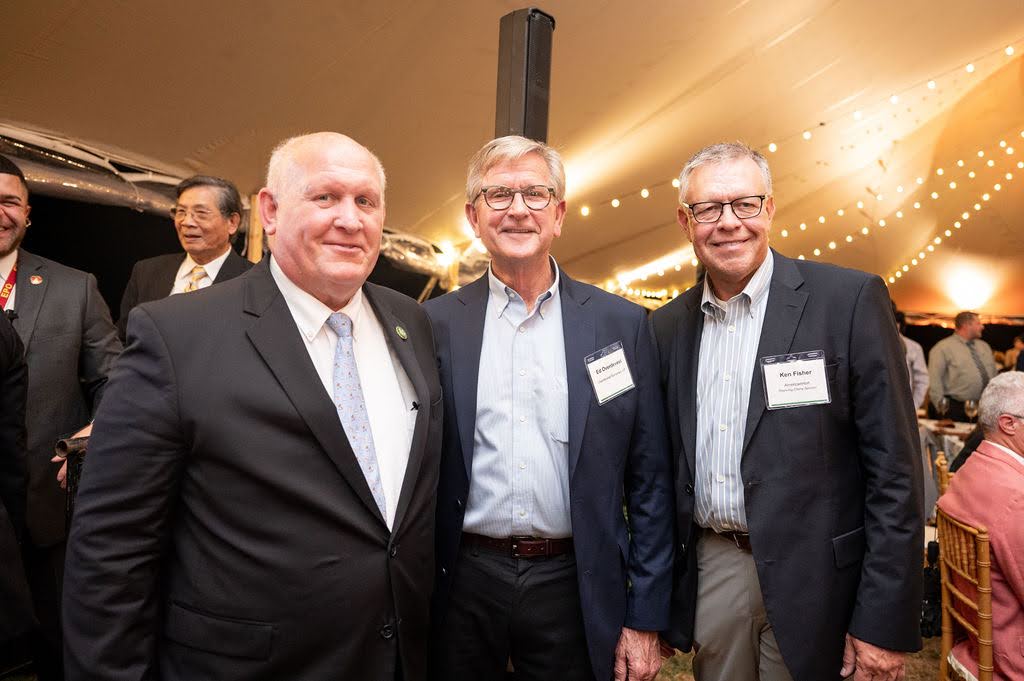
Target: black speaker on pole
pixel 524 74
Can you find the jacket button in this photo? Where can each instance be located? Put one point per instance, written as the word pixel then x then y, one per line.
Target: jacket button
pixel 387 631
pixel 682 547
pixel 394 551
pixel 458 504
pixel 688 489
pixel 444 572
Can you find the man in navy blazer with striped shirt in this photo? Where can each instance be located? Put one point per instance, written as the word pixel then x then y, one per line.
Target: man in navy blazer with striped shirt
pixel 536 562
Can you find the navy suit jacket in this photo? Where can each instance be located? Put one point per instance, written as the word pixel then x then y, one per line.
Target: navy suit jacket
pixel 153 278
pixel 832 491
pixel 618 452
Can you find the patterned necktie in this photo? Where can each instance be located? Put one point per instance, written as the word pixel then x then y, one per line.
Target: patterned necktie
pixel 193 279
pixel 348 400
pixel 977 362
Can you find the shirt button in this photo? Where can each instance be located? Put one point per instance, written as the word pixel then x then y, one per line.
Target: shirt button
pixel 387 631
pixel 522 329
pixel 732 328
pixel 522 514
pixel 522 372
pixel 720 478
pixel 522 419
pixel 726 378
pixel 721 426
pixel 522 466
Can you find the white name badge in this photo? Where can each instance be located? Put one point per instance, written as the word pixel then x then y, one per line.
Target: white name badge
pixel 609 372
pixel 795 380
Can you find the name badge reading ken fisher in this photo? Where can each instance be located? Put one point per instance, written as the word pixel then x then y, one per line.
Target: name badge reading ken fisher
pixel 609 372
pixel 795 380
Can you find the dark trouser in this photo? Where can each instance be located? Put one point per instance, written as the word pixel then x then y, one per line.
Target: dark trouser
pixel 501 608
pixel 44 567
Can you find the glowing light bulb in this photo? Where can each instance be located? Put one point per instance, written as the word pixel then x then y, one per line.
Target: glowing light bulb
pixel 948 233
pixel 840 212
pixel 1009 50
pixel 585 211
pixel 817 251
pixel 985 197
pixel 784 233
pixel 894 99
pixel 969 68
pixel 990 163
pixel 939 171
pixel 773 147
pixel 892 280
pixel 972 175
pixel 803 226
pixel 849 239
pixel 881 223
pixel 935 195
pixel 931 84
pixel 899 214
pixel 865 231
pixel 899 189
pixel 644 193
pixel 807 134
pixel 952 185
pixel 857 115
pixel 917 204
pixel 675 182
pixel 920 180
pixel 821 219
pixel 832 245
pixel 960 162
pixel 905 268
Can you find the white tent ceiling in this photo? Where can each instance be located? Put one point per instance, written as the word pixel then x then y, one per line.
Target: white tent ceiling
pixel 636 88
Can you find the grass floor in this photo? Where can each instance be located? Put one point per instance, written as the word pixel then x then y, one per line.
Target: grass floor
pixel 922 666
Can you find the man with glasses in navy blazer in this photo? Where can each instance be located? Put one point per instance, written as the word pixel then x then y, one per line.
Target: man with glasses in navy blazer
pixel 553 421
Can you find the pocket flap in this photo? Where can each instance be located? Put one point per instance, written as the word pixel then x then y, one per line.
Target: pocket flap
pixel 231 637
pixel 849 547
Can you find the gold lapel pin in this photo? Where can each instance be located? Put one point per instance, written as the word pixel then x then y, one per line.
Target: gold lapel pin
pixel 35 280
pixel 401 333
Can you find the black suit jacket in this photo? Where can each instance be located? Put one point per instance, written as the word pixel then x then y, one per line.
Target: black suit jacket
pixel 223 527
pixel 16 614
pixel 832 492
pixel 70 348
pixel 617 452
pixel 153 278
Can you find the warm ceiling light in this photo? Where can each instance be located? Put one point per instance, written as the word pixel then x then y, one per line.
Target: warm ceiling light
pixel 899 214
pixel 917 204
pixel 675 182
pixel 986 197
pixel 977 206
pixel 801 257
pixel 892 280
pixel 960 163
pixel 969 287
pixel 937 240
pixel 920 180
pixel 849 239
pixel 858 115
pixel 803 226
pixel 965 215
pixel 694 262
pixel 899 273
pixel 879 197
pixel 784 233
pixel 840 212
pixel 615 203
pixel 860 204
pixel 905 268
pixel 931 249
pixel 913 262
pixel 865 231
pixel 807 134
pixel 1009 50
pixel 817 251
pixel 969 68
pixel 773 147
pixel 661 273
pixel 981 154
pixel 894 99
pixel 990 163
pixel 899 189
pixel 935 195
pixel 971 175
pixel 1009 150
pixel 921 255
pixel 832 245
pixel 931 84
pixel 1002 143
pixel 957 224
pixel 939 171
pixel 948 233
pixel 1020 164
pixel 821 219
pixel 952 185
pixel 881 223
pixel 644 193
pixel 678 267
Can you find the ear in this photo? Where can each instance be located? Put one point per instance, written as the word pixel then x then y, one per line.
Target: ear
pixel 683 218
pixel 559 217
pixel 233 222
pixel 473 219
pixel 769 207
pixel 268 211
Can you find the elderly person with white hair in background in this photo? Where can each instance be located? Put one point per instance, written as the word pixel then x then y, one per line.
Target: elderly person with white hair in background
pixel 989 491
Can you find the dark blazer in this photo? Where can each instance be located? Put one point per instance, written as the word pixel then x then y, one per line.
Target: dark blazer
pixel 153 278
pixel 70 347
pixel 615 450
pixel 223 528
pixel 16 615
pixel 832 492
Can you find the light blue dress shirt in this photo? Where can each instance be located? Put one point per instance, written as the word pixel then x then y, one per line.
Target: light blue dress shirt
pixel 520 474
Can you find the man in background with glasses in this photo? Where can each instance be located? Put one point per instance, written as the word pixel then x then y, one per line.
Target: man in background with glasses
pixel 798 485
pixel 989 492
pixel 206 215
pixel 553 422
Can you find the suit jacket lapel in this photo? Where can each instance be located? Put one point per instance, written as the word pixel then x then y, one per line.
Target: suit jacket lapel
pixel 233 266
pixel 580 338
pixel 781 318
pixel 405 350
pixel 276 338
pixel 687 355
pixel 28 297
pixel 160 284
pixel 466 341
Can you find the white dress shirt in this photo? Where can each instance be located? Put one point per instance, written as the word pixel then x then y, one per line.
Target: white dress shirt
pixel 728 360
pixel 387 390
pixel 212 268
pixel 918 370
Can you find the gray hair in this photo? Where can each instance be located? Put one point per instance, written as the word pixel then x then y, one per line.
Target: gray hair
pixel 512 148
pixel 281 167
pixel 719 153
pixel 1004 394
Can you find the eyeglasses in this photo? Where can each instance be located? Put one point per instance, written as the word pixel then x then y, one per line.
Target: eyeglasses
pixel 711 211
pixel 536 197
pixel 179 213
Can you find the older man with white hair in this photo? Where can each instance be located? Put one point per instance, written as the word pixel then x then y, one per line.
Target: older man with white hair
pixel 989 492
pixel 277 522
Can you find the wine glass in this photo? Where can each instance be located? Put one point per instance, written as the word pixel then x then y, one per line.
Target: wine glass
pixel 971 409
pixel 942 407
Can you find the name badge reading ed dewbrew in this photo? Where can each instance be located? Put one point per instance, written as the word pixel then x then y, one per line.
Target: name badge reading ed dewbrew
pixel 609 372
pixel 795 380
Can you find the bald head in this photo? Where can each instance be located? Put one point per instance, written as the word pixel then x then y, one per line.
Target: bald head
pixel 293 154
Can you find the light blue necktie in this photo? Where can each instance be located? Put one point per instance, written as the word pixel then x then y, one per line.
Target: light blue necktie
pixel 348 400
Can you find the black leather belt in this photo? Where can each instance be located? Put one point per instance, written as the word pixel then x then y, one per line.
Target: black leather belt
pixel 518 547
pixel 740 539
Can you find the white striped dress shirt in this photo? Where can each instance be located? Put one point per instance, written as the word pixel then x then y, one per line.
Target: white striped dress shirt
pixel 728 359
pixel 520 475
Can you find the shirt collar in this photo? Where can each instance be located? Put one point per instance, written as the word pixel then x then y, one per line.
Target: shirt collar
pixel 755 290
pixel 310 314
pixel 504 295
pixel 7 264
pixel 1009 451
pixel 211 268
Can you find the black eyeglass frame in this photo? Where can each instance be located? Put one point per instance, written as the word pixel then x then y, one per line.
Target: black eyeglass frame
pixel 721 207
pixel 483 192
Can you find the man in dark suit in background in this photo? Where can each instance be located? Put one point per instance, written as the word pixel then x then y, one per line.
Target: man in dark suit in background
pixel 553 419
pixel 206 214
pixel 258 499
pixel 798 486
pixel 70 347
